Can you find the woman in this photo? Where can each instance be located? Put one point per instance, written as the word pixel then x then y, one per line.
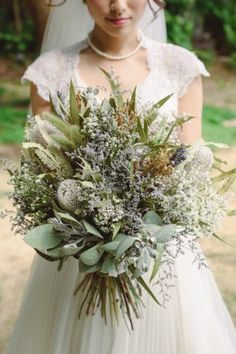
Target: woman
pixel 195 320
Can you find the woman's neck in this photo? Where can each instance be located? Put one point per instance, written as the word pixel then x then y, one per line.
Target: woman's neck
pixel 114 45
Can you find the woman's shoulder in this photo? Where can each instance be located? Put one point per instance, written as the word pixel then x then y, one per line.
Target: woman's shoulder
pixel 51 68
pixel 180 64
pixel 177 57
pixel 57 56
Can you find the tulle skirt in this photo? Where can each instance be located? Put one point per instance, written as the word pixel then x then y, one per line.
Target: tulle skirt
pixel 194 321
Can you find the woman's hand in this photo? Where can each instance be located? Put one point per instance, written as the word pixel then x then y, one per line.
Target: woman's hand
pixel 38 104
pixel 192 104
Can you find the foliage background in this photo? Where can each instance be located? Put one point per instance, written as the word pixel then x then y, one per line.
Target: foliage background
pixel 205 24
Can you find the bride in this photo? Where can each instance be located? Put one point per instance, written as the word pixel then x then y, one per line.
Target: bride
pixel 195 320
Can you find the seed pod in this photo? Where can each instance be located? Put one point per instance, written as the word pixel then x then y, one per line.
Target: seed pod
pixel 68 195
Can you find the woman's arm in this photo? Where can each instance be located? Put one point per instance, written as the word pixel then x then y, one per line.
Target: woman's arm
pixel 192 103
pixel 38 104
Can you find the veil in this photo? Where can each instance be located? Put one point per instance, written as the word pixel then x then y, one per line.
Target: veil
pixel 71 22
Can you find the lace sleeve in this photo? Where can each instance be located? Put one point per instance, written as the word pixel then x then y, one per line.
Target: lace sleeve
pixel 190 66
pixel 44 73
pixel 184 67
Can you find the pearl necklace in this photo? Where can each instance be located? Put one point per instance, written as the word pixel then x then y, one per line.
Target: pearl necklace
pixel 116 57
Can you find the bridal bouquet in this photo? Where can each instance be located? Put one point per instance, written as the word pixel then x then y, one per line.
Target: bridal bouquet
pixel 99 184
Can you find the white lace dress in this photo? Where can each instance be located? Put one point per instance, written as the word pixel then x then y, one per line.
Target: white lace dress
pixel 195 320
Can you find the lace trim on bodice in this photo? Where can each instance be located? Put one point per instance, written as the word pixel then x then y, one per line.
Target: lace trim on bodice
pixel 171 70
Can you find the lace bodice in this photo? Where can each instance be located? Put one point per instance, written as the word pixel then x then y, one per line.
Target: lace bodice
pixel 171 69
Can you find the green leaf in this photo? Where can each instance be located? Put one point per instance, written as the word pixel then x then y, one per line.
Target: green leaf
pixel 146 287
pixel 221 239
pixel 48 258
pixel 157 263
pixel 74 109
pixel 165 233
pixel 133 100
pixel 151 217
pixel 92 255
pixel 161 233
pixel 140 130
pixel 84 268
pixel 109 265
pixel 150 117
pixel 145 128
pixel 52 107
pixel 121 237
pixel 91 229
pixel 113 103
pixel 160 103
pixel 67 218
pixel 88 184
pixel 125 245
pixel 137 273
pixel 116 228
pixel 111 246
pixel 64 251
pixel 43 237
pixel 115 88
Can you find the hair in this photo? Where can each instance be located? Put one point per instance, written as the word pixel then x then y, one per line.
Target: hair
pixel 160 3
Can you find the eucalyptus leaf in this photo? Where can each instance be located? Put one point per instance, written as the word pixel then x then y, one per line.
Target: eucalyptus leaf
pixel 161 233
pixel 109 265
pixel 67 250
pixel 43 237
pixel 121 237
pixel 165 233
pixel 84 268
pixel 151 217
pixel 91 229
pixel 146 257
pixel 92 255
pixel 67 218
pixel 152 228
pixel 110 246
pixel 125 245
pixel 48 258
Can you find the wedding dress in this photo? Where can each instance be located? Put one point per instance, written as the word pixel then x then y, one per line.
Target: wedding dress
pixel 194 321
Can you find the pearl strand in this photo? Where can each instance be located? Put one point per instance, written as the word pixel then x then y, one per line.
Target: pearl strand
pixel 116 57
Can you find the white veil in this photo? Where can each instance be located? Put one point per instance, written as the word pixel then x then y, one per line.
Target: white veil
pixel 71 22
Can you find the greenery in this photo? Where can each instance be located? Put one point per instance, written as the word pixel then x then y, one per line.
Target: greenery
pixel 232 61
pixel 16 38
pixel 213 125
pixel 190 24
pixel 12 42
pixel 180 22
pixel 12 121
pixel 219 19
pixel 190 21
